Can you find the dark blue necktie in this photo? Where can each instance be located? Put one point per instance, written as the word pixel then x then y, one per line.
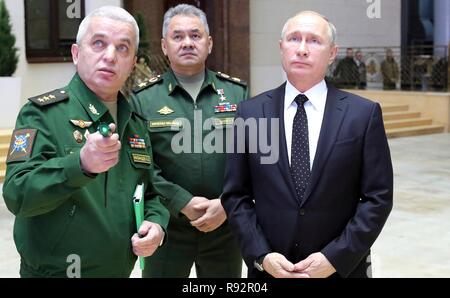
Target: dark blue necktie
pixel 300 148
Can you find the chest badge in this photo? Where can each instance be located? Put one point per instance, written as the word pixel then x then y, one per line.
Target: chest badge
pixel 165 111
pixel 93 110
pixel 78 136
pixel 136 142
pixel 224 106
pixel 81 123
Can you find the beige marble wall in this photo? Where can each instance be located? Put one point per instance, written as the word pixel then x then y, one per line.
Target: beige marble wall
pixel 431 104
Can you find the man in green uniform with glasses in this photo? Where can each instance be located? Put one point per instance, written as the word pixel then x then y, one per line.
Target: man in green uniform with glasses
pixel 70 187
pixel 190 111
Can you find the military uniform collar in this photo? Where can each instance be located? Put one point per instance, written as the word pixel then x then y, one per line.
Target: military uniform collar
pixel 209 80
pixel 88 99
pixel 172 82
pixel 94 106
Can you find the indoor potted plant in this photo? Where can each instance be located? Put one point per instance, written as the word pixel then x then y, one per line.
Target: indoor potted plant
pixel 9 85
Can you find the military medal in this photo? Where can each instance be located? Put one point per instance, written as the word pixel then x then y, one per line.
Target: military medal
pixel 81 123
pixel 225 107
pixel 221 93
pixel 93 109
pixel 136 142
pixel 78 136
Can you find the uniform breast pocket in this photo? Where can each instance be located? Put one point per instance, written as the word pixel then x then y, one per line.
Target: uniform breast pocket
pixel 346 142
pixel 223 122
pixel 162 133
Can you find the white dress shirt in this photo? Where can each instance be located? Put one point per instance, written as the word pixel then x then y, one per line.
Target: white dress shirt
pixel 314 108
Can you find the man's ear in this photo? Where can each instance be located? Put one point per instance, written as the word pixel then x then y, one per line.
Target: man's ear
pixel 210 44
pixel 333 54
pixel 133 65
pixel 163 46
pixel 74 50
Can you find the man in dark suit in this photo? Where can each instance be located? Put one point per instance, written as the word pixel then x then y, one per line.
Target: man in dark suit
pixel 316 210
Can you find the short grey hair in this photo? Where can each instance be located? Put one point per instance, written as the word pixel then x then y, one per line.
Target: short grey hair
pixel 110 12
pixel 332 29
pixel 184 10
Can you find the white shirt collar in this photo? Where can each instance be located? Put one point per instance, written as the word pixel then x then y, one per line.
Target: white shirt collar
pixel 314 94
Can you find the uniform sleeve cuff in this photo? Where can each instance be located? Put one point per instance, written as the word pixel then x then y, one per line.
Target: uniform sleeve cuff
pixel 74 173
pixel 177 202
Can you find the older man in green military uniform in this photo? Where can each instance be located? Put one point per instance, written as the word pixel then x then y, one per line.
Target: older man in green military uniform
pixel 71 188
pixel 190 110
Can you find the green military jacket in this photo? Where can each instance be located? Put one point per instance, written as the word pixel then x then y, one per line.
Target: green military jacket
pixel 189 137
pixel 389 70
pixel 60 211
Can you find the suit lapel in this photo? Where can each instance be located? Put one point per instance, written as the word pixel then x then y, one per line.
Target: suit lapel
pixel 274 109
pixel 335 109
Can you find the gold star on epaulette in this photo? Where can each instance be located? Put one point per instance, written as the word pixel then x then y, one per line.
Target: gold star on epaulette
pixel 223 75
pixel 50 97
pixel 143 85
pixel 231 79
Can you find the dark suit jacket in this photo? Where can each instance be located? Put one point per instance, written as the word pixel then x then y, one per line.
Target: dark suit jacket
pixel 346 203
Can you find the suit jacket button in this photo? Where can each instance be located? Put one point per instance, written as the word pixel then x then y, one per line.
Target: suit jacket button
pixel 302 211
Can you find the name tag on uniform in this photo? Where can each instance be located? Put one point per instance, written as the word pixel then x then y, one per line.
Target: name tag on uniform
pixel 141 158
pixel 164 123
pixel 223 121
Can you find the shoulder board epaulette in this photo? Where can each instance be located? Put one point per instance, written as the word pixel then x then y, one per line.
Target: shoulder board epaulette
pixel 147 83
pixel 230 78
pixel 48 98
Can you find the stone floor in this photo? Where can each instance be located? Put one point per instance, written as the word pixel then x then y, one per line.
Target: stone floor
pixel 416 239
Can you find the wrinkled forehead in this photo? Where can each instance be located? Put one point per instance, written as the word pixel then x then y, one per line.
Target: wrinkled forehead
pixel 108 26
pixel 186 23
pixel 308 23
